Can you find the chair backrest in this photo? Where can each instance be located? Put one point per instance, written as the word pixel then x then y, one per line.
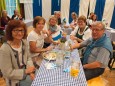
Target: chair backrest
pixel 112 60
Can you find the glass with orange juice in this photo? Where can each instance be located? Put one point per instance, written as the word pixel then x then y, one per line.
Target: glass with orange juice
pixel 74 71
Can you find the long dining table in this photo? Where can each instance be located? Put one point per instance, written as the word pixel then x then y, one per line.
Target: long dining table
pixel 57 76
pixel 111 34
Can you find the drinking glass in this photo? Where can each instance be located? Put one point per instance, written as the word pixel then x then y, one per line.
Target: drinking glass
pixel 74 71
pixel 59 58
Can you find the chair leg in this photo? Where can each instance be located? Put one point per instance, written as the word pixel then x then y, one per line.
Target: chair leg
pixel 112 64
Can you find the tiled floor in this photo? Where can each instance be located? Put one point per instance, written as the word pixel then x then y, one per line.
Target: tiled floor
pixel 109 76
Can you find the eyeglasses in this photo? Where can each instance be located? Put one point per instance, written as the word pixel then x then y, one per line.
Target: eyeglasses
pixel 17 31
pixel 80 22
pixel 96 30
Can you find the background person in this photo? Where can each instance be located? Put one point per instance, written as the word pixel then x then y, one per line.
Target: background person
pixel 4 19
pixel 92 19
pixel 57 14
pixel 17 15
pixel 73 24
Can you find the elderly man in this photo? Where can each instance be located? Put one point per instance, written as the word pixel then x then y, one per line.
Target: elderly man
pixel 57 14
pixel 98 51
pixel 17 15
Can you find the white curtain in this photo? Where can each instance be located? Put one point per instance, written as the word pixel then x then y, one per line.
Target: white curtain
pixel 65 6
pixel 26 1
pixel 46 9
pixel 28 8
pixel 108 11
pixel 92 6
pixel 83 10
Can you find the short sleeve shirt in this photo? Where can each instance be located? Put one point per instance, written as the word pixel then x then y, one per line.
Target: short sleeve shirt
pixel 39 39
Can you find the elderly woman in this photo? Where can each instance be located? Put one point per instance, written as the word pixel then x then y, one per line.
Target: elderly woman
pixel 36 39
pixel 92 20
pixel 15 62
pixel 82 31
pixel 73 24
pixel 54 30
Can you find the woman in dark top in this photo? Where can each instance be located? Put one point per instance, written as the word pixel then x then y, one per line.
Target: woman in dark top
pixel 4 19
pixel 16 15
pixel 82 31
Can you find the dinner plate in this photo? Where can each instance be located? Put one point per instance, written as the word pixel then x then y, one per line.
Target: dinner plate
pixel 50 55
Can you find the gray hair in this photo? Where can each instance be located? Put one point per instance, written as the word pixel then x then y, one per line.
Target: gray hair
pixel 51 17
pixel 73 13
pixel 99 23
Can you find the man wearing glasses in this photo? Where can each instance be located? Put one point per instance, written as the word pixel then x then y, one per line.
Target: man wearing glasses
pixel 97 53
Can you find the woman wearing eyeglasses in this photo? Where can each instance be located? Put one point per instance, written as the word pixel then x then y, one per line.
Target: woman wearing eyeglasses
pixel 82 31
pixel 15 62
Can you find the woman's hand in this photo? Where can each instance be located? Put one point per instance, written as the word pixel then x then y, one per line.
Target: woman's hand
pixel 65 26
pixel 73 27
pixel 73 37
pixel 49 48
pixel 30 70
pixel 32 76
pixel 45 32
pixel 56 42
pixel 64 34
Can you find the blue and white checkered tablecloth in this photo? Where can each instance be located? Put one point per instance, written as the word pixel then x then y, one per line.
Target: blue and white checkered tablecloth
pixel 56 77
pixel 111 34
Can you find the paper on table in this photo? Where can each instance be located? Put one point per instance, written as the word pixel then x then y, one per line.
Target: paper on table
pixel 67 69
pixel 112 30
pixel 50 65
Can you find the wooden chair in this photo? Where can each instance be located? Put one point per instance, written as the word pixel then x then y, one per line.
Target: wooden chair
pixel 97 81
pixel 1 34
pixel 112 60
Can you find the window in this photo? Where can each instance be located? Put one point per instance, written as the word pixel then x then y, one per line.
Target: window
pixel 11 6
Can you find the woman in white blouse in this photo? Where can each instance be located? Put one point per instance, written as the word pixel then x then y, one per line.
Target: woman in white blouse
pixel 36 40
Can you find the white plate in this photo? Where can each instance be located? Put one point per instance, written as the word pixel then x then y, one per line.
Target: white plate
pixel 49 55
